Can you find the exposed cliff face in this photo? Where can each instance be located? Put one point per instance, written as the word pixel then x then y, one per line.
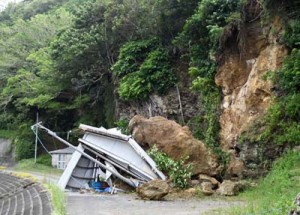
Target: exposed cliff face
pixel 179 103
pixel 167 106
pixel 247 93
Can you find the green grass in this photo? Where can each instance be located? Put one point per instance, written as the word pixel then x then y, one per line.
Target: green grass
pixel 28 165
pixel 58 199
pixel 9 134
pixel 274 194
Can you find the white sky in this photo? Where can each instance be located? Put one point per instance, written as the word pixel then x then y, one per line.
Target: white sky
pixel 3 3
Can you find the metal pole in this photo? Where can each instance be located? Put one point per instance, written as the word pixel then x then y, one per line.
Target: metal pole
pixel 36 137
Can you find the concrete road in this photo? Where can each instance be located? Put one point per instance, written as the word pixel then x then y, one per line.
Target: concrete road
pixel 128 204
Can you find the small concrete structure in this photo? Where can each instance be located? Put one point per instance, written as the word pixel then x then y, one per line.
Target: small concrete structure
pixel 61 157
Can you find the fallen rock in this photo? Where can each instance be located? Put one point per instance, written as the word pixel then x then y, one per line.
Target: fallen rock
pixel 175 140
pixel 207 188
pixel 195 182
pixel 231 188
pixel 153 190
pixel 205 178
pixel 236 167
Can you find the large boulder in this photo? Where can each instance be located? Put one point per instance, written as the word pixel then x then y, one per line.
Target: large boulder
pixel 175 140
pixel 228 188
pixel 212 180
pixel 153 190
pixel 232 188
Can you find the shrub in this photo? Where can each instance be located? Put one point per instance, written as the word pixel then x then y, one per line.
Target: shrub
pixel 44 159
pixel 122 125
pixel 134 87
pixel 292 33
pixel 280 125
pixel 289 75
pixel 177 171
pixel 24 148
pixel 144 68
pixel 132 55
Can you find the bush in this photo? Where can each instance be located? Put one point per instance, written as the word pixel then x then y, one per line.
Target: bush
pixel 24 148
pixel 176 170
pixel 44 159
pixel 292 33
pixel 144 68
pixel 122 125
pixel 134 87
pixel 289 75
pixel 132 55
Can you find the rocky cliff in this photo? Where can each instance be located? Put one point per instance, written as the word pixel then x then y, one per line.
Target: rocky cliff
pixel 247 93
pixel 251 53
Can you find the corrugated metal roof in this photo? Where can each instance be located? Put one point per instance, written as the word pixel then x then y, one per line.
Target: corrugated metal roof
pixel 68 150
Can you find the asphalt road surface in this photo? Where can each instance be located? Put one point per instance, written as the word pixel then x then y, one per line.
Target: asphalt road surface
pixel 129 204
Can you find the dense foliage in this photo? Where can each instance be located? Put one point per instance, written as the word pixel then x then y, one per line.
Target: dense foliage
pixel 56 59
pixel 143 67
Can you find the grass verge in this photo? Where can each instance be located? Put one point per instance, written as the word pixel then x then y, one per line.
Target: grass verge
pixel 58 199
pixel 9 134
pixel 275 193
pixel 30 166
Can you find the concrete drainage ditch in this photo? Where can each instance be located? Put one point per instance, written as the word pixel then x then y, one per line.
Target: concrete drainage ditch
pixel 22 196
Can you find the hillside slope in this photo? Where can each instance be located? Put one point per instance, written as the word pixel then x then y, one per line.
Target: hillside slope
pixel 229 71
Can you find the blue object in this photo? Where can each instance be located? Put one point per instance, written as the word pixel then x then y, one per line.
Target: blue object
pixel 108 190
pixel 100 186
pixel 96 185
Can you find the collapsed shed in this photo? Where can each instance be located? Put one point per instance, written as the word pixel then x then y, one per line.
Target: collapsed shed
pixel 102 153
